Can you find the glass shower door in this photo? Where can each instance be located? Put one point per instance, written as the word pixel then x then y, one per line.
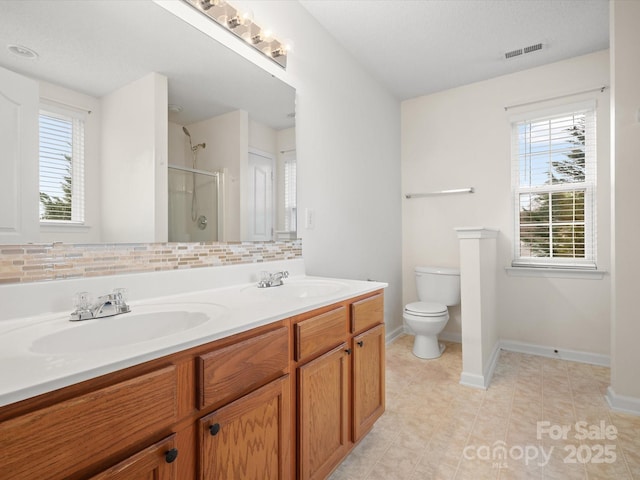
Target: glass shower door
pixel 193 205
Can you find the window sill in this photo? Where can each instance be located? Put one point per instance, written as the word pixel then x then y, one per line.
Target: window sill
pixel 550 272
pixel 61 227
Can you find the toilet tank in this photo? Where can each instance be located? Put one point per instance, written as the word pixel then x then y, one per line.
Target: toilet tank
pixel 438 285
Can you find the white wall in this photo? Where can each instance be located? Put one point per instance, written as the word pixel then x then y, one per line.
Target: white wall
pixel 461 138
pixel 625 68
pixel 134 161
pixel 262 137
pixel 348 137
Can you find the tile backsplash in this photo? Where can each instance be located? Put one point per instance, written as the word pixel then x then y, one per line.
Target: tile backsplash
pixel 58 261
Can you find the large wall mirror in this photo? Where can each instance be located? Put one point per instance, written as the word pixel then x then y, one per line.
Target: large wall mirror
pixel 148 129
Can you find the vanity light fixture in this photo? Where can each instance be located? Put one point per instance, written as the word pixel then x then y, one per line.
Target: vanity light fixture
pixel 241 24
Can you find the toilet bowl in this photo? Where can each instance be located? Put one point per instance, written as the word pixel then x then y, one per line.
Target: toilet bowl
pixel 437 289
pixel 426 320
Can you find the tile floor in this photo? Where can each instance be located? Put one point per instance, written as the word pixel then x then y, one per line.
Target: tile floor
pixel 435 428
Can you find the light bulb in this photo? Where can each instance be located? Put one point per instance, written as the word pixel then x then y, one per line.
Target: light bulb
pixel 263 36
pixel 287 45
pixel 246 18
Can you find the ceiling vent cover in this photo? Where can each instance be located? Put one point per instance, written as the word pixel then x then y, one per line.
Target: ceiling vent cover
pixel 532 48
pixel 521 51
pixel 513 53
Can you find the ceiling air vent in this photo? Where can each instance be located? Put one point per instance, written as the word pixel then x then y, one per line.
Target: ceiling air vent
pixel 521 51
pixel 532 48
pixel 513 53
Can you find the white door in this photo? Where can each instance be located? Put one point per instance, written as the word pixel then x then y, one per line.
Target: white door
pixel 260 197
pixel 19 199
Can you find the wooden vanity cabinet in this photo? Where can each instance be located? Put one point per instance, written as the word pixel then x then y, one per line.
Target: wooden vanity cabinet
pixel 281 401
pixel 339 355
pixel 142 422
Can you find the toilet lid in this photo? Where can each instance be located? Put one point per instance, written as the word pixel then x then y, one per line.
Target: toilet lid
pixel 425 308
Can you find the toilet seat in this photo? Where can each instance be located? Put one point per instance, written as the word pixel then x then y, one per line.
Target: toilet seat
pixel 425 309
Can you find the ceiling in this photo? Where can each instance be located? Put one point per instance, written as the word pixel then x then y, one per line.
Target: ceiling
pixel 418 47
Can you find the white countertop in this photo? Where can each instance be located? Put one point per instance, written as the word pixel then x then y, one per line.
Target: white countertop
pixel 31 366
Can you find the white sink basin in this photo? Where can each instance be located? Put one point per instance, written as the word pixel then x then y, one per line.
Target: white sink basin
pixel 299 289
pixel 142 324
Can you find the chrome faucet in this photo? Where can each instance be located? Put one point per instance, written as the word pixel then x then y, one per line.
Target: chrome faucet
pixel 105 306
pixel 272 279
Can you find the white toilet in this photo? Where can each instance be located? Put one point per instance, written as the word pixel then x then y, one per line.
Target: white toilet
pixel 437 288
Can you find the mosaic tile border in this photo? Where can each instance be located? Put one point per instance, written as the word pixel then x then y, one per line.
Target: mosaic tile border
pixel 59 261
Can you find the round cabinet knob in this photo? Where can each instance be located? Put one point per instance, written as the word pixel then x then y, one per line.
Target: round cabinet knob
pixel 360 343
pixel 214 429
pixel 171 455
pixel 348 351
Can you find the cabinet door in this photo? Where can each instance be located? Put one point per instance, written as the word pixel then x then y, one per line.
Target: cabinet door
pixel 368 380
pixel 323 413
pixel 156 462
pixel 249 438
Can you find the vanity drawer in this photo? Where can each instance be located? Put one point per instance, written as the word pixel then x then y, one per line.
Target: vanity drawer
pixel 367 313
pixel 230 372
pixel 320 333
pixel 56 441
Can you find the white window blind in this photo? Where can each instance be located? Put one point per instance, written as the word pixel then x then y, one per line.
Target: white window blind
pixel 290 216
pixel 554 180
pixel 61 166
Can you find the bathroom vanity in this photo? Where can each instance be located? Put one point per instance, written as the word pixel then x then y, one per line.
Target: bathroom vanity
pixel 278 395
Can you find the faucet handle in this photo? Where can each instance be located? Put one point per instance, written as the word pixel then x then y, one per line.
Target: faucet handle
pixel 82 301
pixel 120 295
pixel 120 300
pixel 285 274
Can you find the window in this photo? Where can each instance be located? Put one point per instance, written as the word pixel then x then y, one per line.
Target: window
pixel 61 166
pixel 554 179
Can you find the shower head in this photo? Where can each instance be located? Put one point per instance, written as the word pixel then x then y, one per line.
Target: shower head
pixel 186 132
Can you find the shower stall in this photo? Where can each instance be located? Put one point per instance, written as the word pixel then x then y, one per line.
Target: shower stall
pixel 195 205
pixel 195 200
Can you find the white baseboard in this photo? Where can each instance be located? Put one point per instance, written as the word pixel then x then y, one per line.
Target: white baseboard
pixel 455 337
pixel 550 352
pixel 472 380
pixel 482 381
pixel 622 403
pixel 392 335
